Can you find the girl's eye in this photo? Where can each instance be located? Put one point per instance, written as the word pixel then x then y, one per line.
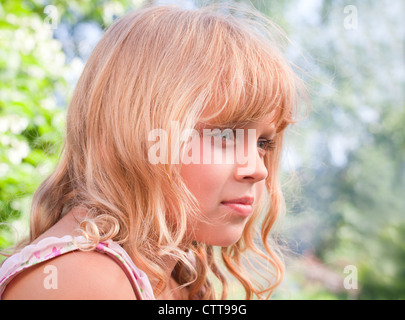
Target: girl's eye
pixel 266 144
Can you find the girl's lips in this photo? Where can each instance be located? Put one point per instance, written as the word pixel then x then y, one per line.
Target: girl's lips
pixel 242 209
pixel 243 200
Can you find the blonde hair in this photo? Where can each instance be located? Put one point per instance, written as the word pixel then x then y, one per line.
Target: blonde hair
pixel 153 66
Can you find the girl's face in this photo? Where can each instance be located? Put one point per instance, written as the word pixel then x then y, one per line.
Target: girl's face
pixel 228 191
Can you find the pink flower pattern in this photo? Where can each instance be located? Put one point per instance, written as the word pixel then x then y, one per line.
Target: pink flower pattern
pixel 52 247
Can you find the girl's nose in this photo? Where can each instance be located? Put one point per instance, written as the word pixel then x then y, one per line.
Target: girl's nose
pixel 252 167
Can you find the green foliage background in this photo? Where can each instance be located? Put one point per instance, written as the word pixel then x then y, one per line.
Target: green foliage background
pixel 349 154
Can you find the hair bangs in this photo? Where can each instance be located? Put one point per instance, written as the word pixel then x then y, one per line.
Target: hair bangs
pixel 253 81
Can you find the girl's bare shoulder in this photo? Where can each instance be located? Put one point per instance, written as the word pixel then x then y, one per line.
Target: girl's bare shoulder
pixel 76 275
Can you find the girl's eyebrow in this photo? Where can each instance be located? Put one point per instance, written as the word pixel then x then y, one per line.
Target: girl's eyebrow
pixel 269 132
pixel 235 125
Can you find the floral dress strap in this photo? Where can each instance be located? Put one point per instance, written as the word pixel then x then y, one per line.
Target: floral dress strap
pixel 52 247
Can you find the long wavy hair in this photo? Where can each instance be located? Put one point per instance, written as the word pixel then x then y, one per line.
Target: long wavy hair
pixel 153 66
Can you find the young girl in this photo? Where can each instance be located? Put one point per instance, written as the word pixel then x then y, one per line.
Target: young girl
pixel 115 221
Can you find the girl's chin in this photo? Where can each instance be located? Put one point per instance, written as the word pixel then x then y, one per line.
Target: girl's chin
pixel 222 240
